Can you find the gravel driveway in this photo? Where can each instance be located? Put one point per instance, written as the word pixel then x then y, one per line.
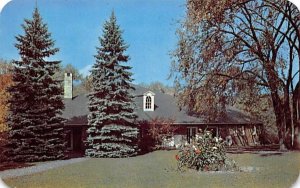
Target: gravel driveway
pixel 39 167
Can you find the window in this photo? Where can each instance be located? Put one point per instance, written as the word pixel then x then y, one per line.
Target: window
pixel 148 102
pixel 191 133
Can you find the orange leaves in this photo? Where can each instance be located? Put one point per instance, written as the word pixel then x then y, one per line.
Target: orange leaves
pixel 211 9
pixel 5 82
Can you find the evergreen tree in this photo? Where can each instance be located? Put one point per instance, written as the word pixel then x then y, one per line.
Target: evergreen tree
pixel 36 127
pixel 112 130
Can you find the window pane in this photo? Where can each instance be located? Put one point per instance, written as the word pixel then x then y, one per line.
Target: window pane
pixel 148 102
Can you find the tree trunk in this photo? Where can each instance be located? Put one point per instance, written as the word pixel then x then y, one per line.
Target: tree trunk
pixel 296 123
pixel 280 122
pixel 297 137
pixel 278 103
pixel 281 134
pixel 288 120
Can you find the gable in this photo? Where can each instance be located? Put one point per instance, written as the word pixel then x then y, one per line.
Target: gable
pixel 149 93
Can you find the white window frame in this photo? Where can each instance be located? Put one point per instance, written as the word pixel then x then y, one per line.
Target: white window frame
pixel 148 95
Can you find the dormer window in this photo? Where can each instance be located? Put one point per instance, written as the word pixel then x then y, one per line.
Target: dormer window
pixel 148 101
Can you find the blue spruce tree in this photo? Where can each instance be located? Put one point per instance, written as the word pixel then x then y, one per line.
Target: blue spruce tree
pixel 112 130
pixel 36 127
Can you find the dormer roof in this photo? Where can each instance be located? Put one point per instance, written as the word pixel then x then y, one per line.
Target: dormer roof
pixel 149 93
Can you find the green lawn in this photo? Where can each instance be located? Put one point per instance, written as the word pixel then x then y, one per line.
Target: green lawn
pixel 158 169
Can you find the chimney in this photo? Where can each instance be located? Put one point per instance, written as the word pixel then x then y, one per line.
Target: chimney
pixel 68 86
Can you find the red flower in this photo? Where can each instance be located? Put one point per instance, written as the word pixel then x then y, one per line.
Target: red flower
pixel 206 168
pixel 177 157
pixel 197 151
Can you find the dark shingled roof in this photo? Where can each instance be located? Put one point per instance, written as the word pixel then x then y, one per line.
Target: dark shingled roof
pixel 165 107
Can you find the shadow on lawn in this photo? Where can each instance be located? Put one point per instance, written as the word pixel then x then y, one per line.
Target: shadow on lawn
pixel 260 153
pixel 270 154
pixel 13 165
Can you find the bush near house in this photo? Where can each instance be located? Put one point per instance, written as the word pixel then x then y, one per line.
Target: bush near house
pixel 205 153
pixel 154 133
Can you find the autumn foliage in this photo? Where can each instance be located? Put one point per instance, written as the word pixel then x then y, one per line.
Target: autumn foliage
pixel 5 82
pixel 227 48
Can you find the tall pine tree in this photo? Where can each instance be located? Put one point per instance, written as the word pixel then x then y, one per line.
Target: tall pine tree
pixel 36 127
pixel 112 131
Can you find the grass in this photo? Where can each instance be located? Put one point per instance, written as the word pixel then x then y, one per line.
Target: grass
pixel 158 169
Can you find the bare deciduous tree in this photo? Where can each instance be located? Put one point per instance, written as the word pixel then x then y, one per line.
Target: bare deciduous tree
pixel 5 67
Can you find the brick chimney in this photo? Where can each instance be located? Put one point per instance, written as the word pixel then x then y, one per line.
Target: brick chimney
pixel 68 86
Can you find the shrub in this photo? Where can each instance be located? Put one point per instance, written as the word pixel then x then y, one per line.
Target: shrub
pixel 205 153
pixel 154 132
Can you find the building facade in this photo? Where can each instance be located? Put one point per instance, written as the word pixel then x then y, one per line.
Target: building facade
pixel 236 127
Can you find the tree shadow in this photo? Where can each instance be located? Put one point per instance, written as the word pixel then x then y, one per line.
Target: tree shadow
pixel 271 154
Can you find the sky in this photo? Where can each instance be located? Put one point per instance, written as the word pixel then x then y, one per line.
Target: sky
pixel 149 28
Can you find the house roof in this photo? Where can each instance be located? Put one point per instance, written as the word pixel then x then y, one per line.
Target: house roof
pixel 165 107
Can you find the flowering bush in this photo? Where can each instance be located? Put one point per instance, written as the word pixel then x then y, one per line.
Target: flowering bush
pixel 205 153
